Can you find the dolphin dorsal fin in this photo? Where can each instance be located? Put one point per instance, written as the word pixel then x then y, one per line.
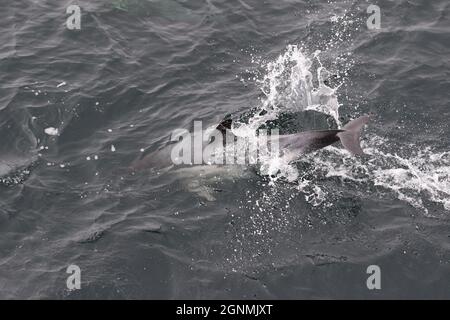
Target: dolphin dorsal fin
pixel 225 124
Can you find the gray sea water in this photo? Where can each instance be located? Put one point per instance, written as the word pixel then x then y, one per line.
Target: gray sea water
pixel 139 69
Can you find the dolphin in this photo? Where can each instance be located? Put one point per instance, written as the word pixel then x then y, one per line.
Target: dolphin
pixel 198 178
pixel 291 146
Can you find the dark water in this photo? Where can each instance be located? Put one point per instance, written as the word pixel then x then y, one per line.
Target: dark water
pixel 139 69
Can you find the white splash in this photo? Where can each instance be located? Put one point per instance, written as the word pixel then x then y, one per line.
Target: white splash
pixel 412 174
pixel 415 175
pixel 288 86
pixel 51 131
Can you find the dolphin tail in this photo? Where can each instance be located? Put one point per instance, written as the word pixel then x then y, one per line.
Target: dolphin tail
pixel 350 136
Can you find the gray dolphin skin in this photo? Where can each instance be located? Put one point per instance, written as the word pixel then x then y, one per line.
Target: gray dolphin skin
pixel 294 145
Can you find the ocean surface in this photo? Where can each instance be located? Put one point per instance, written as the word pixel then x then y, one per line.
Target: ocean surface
pixel 78 107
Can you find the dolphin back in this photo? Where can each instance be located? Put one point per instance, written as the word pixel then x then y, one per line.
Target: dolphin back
pixel 309 141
